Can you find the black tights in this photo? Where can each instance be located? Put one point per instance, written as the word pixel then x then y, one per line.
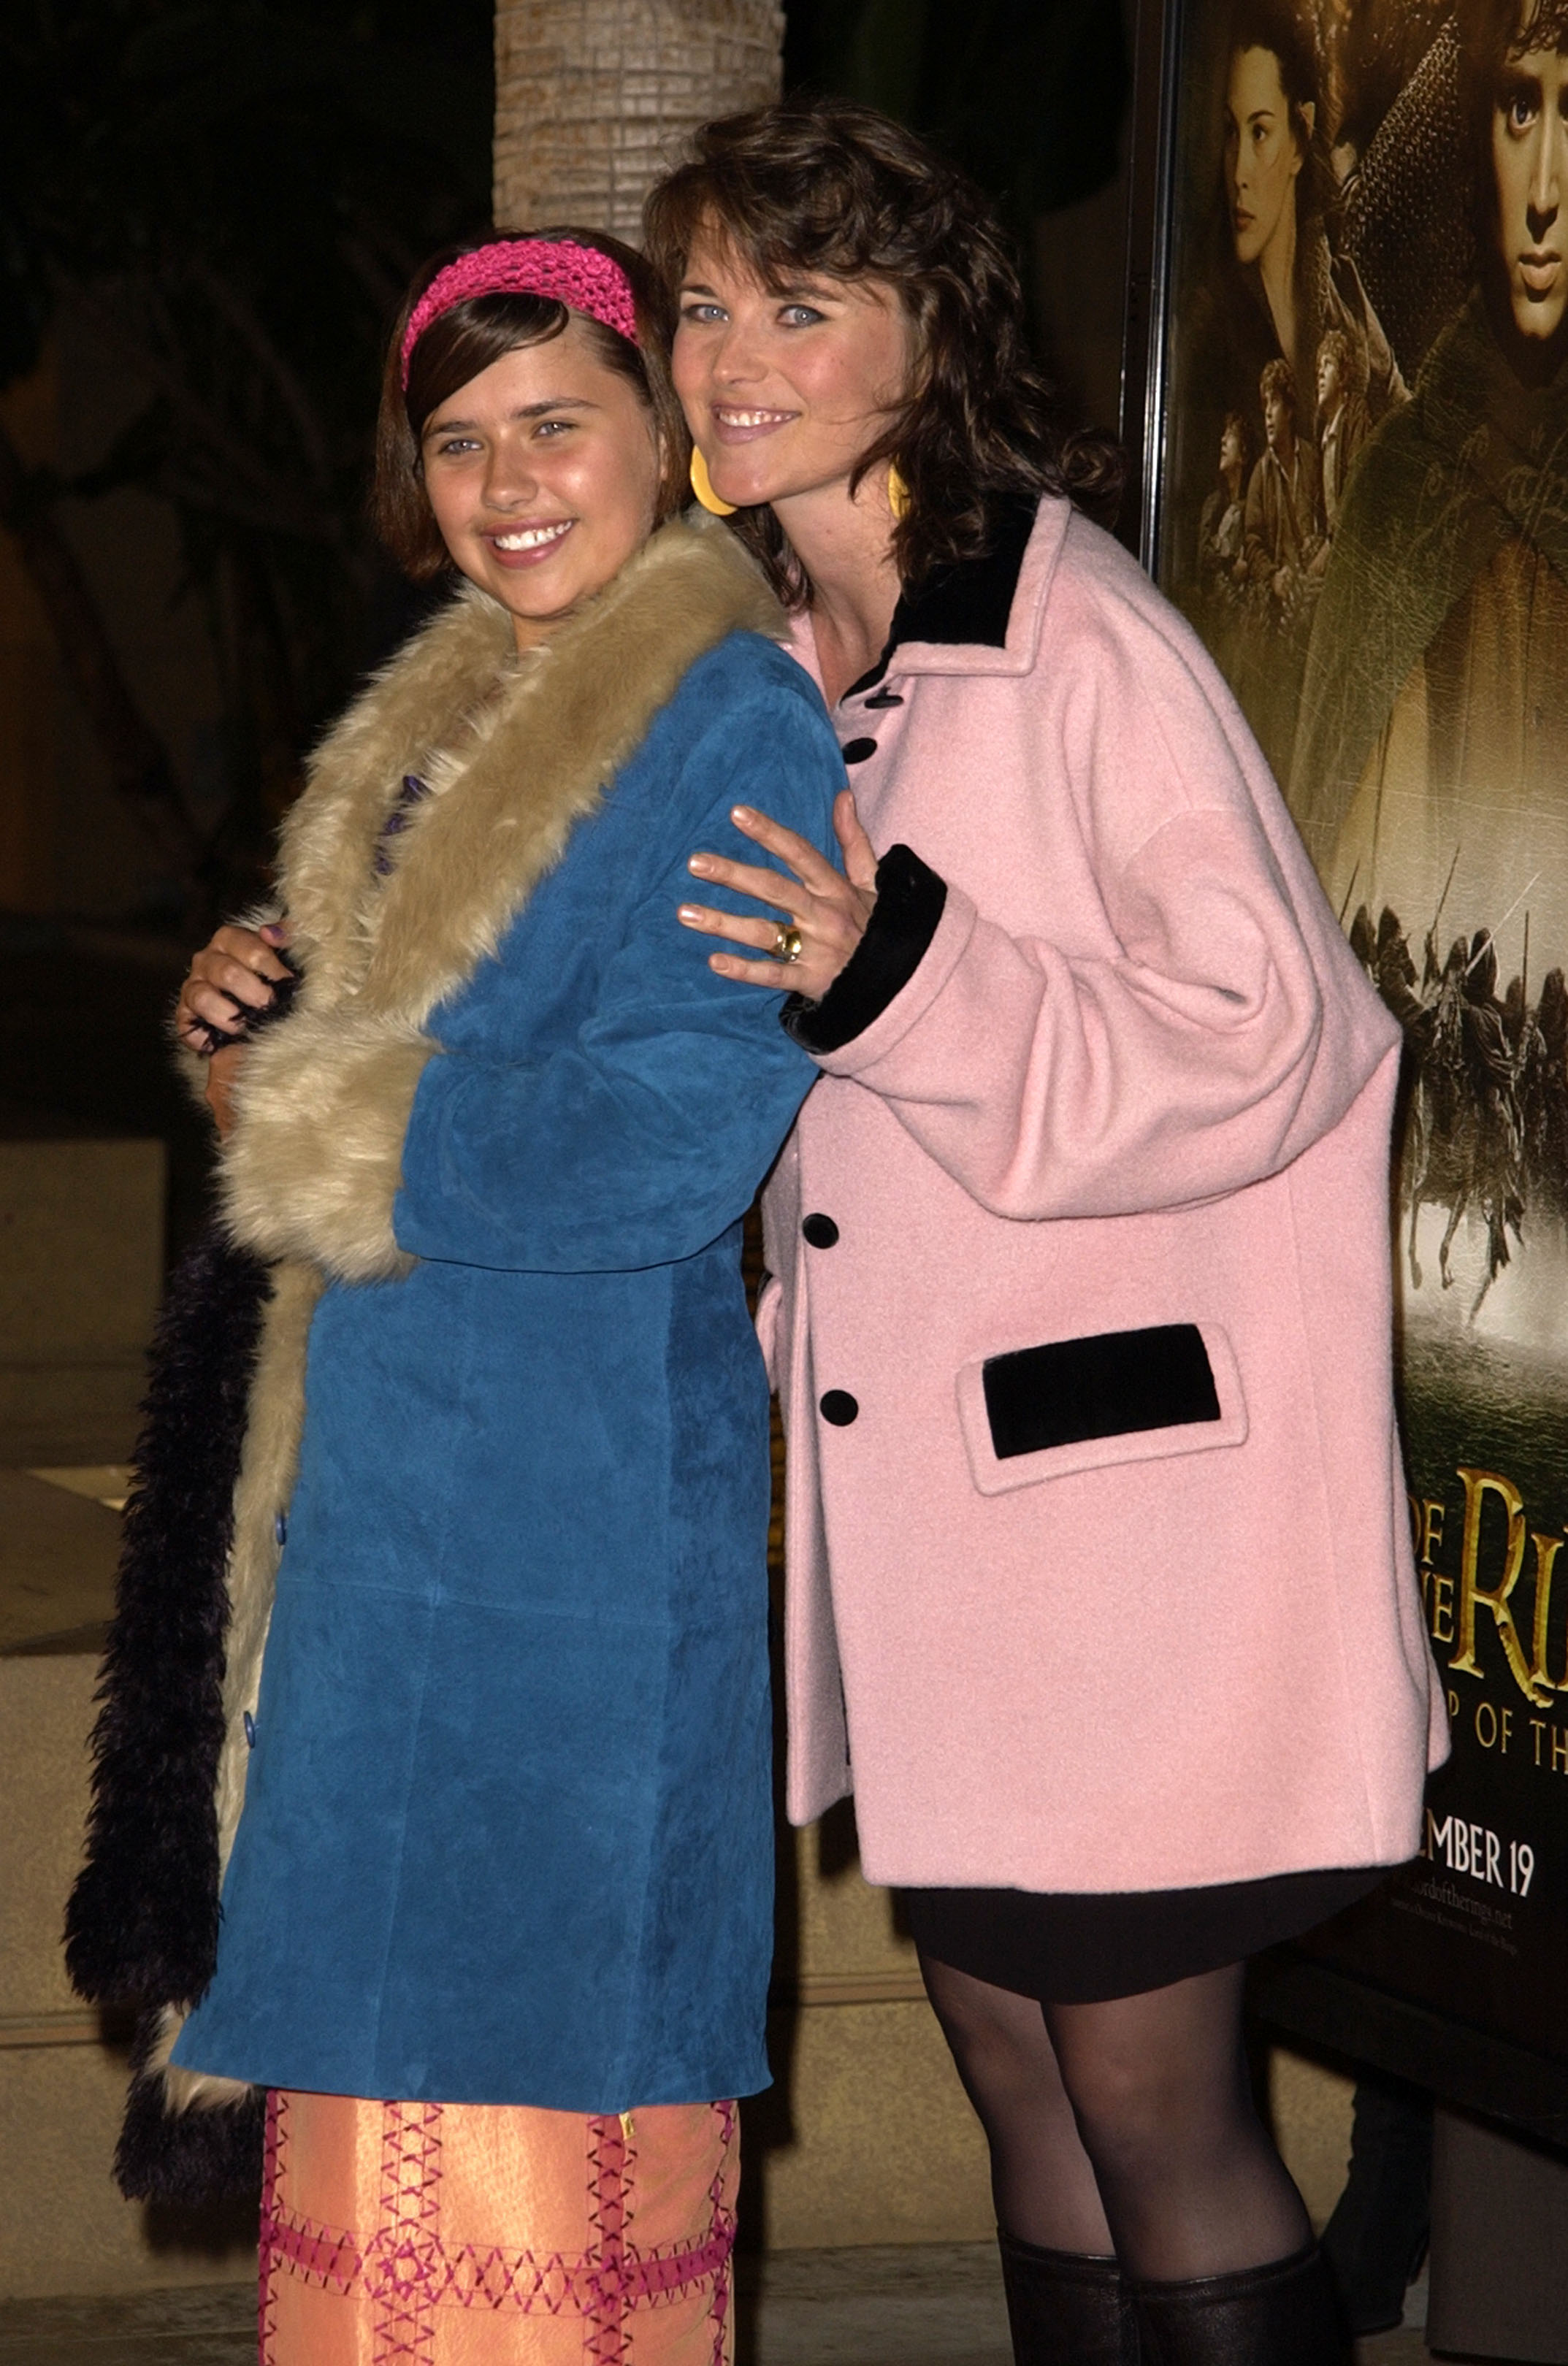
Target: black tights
pixel 1127 2126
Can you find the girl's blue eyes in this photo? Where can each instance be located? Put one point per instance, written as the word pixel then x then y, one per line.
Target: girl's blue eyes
pixel 455 446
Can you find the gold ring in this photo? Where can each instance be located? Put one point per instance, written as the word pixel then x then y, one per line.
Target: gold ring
pixel 788 944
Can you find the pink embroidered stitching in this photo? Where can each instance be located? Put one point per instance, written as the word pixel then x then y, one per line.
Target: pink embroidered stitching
pixel 472 2274
pixel 721 2234
pixel 323 2255
pixel 408 2270
pixel 405 2265
pixel 604 2268
pixel 267 2328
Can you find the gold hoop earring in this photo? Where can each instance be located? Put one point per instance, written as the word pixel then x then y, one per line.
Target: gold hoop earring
pixel 898 492
pixel 702 485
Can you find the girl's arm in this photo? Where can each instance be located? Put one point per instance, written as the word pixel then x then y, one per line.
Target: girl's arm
pixel 635 1142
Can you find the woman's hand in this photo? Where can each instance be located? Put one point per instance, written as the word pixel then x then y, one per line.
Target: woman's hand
pixel 233 975
pixel 827 909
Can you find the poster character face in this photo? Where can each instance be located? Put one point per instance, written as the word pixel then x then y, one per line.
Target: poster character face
pixel 1232 446
pixel 1263 156
pixel 1277 420
pixel 1530 159
pixel 1330 385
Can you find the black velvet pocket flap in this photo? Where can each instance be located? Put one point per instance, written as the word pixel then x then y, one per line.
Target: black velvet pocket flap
pixel 1115 1396
pixel 1105 1387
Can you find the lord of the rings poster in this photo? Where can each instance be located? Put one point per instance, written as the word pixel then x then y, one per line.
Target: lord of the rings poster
pixel 1357 490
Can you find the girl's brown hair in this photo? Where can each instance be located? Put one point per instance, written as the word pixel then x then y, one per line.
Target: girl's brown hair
pixel 818 185
pixel 459 345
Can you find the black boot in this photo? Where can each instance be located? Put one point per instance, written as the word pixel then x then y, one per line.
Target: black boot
pixel 1377 2237
pixel 1282 2314
pixel 1066 2309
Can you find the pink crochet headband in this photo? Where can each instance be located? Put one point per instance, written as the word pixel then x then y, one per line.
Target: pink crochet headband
pixel 578 275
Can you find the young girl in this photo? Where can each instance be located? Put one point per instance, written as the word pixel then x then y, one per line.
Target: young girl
pixel 496 1773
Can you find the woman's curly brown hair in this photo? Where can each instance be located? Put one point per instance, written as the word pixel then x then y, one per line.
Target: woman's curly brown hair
pixel 820 185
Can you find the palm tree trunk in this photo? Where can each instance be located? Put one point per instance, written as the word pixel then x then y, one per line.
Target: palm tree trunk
pixel 593 98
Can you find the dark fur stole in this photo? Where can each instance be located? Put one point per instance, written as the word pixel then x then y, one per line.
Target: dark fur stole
pixel 142 1920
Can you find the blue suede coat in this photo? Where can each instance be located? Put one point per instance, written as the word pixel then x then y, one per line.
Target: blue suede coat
pixel 507 1829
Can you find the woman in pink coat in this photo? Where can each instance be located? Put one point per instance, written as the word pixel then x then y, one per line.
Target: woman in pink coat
pixel 1101 1588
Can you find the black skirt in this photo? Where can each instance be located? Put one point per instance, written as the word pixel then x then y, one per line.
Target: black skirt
pixel 1070 1949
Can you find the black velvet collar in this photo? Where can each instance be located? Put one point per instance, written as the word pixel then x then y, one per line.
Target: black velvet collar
pixel 967 603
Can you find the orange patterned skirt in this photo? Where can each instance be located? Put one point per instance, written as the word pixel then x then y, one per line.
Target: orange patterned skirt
pixel 482 2235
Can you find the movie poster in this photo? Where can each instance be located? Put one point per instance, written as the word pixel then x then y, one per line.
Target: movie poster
pixel 1360 492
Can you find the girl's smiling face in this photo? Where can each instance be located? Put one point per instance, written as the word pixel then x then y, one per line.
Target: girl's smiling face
pixel 786 388
pixel 543 474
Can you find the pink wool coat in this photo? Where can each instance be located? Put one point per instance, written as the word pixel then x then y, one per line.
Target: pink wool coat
pixel 1135 1084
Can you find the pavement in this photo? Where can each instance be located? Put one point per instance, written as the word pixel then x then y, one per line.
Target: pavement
pixel 905 2304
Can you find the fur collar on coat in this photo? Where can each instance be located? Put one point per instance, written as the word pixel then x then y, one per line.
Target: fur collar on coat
pixel 516 750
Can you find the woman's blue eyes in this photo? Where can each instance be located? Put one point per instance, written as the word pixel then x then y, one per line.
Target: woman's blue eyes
pixel 791 316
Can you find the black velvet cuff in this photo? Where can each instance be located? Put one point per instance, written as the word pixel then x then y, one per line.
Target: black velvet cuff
pixel 910 901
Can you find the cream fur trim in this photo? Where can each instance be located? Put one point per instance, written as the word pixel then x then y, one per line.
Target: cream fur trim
pixel 517 751
pixel 322 1108
pixel 275 1422
pixel 187 2091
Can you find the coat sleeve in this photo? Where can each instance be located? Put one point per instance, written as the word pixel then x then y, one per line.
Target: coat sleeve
pixel 642 1138
pixel 1227 1030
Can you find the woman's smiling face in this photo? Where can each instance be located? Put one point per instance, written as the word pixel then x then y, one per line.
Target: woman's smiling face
pixel 543 474
pixel 785 389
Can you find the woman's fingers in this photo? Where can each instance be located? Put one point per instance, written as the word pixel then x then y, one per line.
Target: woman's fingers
pixel 827 938
pixel 799 852
pixel 754 935
pixel 826 910
pixel 759 973
pixel 752 879
pixel 859 855
pixel 740 928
